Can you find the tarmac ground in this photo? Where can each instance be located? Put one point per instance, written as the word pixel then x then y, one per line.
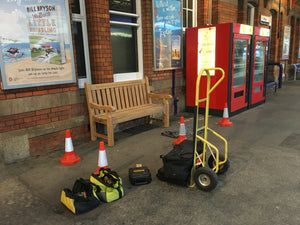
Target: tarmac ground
pixel 262 185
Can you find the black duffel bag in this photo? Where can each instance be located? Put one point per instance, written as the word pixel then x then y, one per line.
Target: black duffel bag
pixel 177 164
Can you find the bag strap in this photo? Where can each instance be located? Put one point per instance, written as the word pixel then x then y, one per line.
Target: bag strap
pixel 120 192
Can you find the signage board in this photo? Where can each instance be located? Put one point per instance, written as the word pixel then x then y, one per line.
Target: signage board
pixel 206 48
pixel 266 20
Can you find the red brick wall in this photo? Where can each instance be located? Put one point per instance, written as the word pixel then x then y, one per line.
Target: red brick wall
pixel 44 116
pixel 55 141
pixel 224 12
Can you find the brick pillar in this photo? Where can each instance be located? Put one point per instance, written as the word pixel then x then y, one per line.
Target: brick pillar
pixel 97 13
pixel 204 15
pixel 274 39
pixel 242 12
pixel 147 38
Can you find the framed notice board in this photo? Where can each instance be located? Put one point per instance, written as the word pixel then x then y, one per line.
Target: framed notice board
pixel 167 34
pixel 35 43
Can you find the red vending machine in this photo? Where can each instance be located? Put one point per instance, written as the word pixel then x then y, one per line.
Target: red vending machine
pixel 227 46
pixel 259 66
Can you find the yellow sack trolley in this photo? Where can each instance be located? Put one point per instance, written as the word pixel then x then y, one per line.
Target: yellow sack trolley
pixel 204 172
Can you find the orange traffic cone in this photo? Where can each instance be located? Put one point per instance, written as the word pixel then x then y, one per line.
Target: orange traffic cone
pixel 70 158
pixel 225 121
pixel 182 133
pixel 102 160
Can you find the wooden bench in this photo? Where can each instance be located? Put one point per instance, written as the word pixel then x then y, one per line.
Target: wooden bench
pixel 113 103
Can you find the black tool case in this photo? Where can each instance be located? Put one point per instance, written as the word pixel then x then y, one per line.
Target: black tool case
pixel 139 175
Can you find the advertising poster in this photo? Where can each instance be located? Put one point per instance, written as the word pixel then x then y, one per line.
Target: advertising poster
pixel 167 34
pixel 206 48
pixel 286 42
pixel 35 43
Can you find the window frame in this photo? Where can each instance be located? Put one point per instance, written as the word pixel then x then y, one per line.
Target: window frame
pixel 251 10
pixel 138 25
pixel 82 19
pixel 194 14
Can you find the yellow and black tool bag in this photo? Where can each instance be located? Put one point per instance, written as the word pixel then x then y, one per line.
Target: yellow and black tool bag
pixel 109 185
pixel 82 198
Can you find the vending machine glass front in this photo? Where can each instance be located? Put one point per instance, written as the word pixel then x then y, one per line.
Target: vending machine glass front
pixel 258 71
pixel 239 73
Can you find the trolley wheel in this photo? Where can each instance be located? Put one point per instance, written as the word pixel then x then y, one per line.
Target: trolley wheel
pixel 222 168
pixel 205 179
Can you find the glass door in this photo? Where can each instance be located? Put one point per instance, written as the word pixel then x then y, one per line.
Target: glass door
pixel 258 75
pixel 240 58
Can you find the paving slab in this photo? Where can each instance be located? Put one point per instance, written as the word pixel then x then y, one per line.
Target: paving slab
pixel 262 186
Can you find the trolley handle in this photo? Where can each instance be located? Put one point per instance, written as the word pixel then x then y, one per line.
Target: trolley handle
pixel 197 100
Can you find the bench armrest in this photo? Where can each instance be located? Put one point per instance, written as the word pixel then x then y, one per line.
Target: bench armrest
pixel 102 107
pixel 163 96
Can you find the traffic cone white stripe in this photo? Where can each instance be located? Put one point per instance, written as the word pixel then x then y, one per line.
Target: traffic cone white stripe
pixel 225 113
pixel 69 145
pixel 102 160
pixel 182 129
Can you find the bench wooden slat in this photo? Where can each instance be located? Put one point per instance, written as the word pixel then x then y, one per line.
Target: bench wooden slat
pixel 108 96
pixel 104 100
pixel 133 113
pixel 119 106
pixel 120 102
pixel 142 93
pixel 137 94
pixel 113 97
pixel 122 98
pixel 99 100
pixel 130 96
pixel 133 95
pixel 126 98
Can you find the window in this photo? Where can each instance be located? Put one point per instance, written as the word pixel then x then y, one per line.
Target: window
pixel 250 14
pixel 81 42
pixel 189 13
pixel 126 39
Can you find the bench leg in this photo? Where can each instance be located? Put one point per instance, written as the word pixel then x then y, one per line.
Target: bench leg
pixel 110 134
pixel 93 130
pixel 166 114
